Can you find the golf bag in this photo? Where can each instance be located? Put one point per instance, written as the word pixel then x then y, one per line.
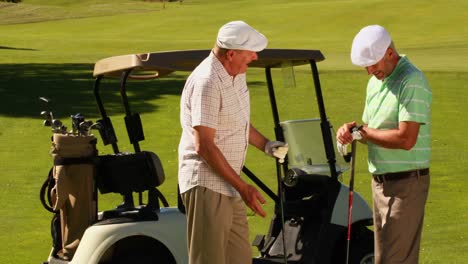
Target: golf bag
pixel 70 191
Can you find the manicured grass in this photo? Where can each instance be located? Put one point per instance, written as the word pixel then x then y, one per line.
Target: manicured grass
pixel 54 57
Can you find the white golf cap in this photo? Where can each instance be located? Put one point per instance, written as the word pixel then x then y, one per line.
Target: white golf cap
pixel 369 45
pixel 240 36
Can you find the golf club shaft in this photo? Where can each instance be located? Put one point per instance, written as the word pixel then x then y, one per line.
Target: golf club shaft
pixel 350 199
pixel 281 200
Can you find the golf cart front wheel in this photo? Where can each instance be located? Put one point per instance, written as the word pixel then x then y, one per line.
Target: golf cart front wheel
pixel 361 250
pixel 367 259
pixel 362 247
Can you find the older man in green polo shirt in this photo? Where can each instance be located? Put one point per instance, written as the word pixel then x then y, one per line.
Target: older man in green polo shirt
pixel 397 132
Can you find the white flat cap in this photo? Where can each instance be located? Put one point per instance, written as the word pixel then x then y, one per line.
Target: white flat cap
pixel 369 45
pixel 239 35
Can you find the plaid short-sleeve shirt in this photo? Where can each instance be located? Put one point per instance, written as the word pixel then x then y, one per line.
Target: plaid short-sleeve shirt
pixel 213 98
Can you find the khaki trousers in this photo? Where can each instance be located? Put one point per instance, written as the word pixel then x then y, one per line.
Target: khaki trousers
pixel 398 219
pixel 217 228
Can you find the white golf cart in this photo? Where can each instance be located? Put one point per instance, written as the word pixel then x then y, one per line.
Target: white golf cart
pixel 310 221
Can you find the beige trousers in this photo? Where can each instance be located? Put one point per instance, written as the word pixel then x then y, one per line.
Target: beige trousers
pixel 217 228
pixel 398 219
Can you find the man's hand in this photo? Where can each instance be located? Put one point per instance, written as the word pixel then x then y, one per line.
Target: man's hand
pixel 344 134
pixel 251 197
pixel 277 149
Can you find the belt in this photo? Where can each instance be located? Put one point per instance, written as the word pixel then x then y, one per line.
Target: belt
pixel 395 176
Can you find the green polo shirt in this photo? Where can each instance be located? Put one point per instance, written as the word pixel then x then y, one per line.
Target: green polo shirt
pixel 403 96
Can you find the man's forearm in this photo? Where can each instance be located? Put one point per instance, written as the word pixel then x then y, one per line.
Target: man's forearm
pixel 403 137
pixel 207 149
pixel 257 139
pixel 216 160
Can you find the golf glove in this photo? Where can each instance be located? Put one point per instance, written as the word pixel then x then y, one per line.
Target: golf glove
pixel 277 149
pixel 342 149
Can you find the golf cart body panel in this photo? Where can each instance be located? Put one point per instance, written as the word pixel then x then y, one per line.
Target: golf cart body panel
pixel 167 230
pixel 361 211
pixel 98 240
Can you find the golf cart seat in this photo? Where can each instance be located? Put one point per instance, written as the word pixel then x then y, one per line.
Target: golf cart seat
pixel 127 173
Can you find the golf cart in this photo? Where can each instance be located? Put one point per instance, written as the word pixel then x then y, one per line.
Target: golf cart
pixel 310 222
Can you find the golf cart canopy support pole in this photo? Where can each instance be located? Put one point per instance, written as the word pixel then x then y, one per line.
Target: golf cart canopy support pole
pixel 279 136
pixel 324 124
pixel 108 133
pixel 274 108
pixel 132 121
pixel 123 92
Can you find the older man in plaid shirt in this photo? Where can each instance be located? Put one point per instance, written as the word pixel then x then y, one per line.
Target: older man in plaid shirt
pixel 215 119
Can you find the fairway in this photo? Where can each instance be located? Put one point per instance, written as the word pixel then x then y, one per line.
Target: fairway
pixel 49 47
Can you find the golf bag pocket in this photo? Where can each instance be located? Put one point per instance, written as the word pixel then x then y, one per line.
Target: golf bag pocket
pixel 129 172
pixel 73 193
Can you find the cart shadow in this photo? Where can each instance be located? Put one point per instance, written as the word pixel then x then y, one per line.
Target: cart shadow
pixel 70 90
pixel 14 48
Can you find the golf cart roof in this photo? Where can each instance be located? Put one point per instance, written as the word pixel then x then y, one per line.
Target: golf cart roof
pixel 163 63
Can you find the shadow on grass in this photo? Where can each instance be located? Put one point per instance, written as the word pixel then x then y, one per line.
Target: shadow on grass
pixel 13 48
pixel 70 89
